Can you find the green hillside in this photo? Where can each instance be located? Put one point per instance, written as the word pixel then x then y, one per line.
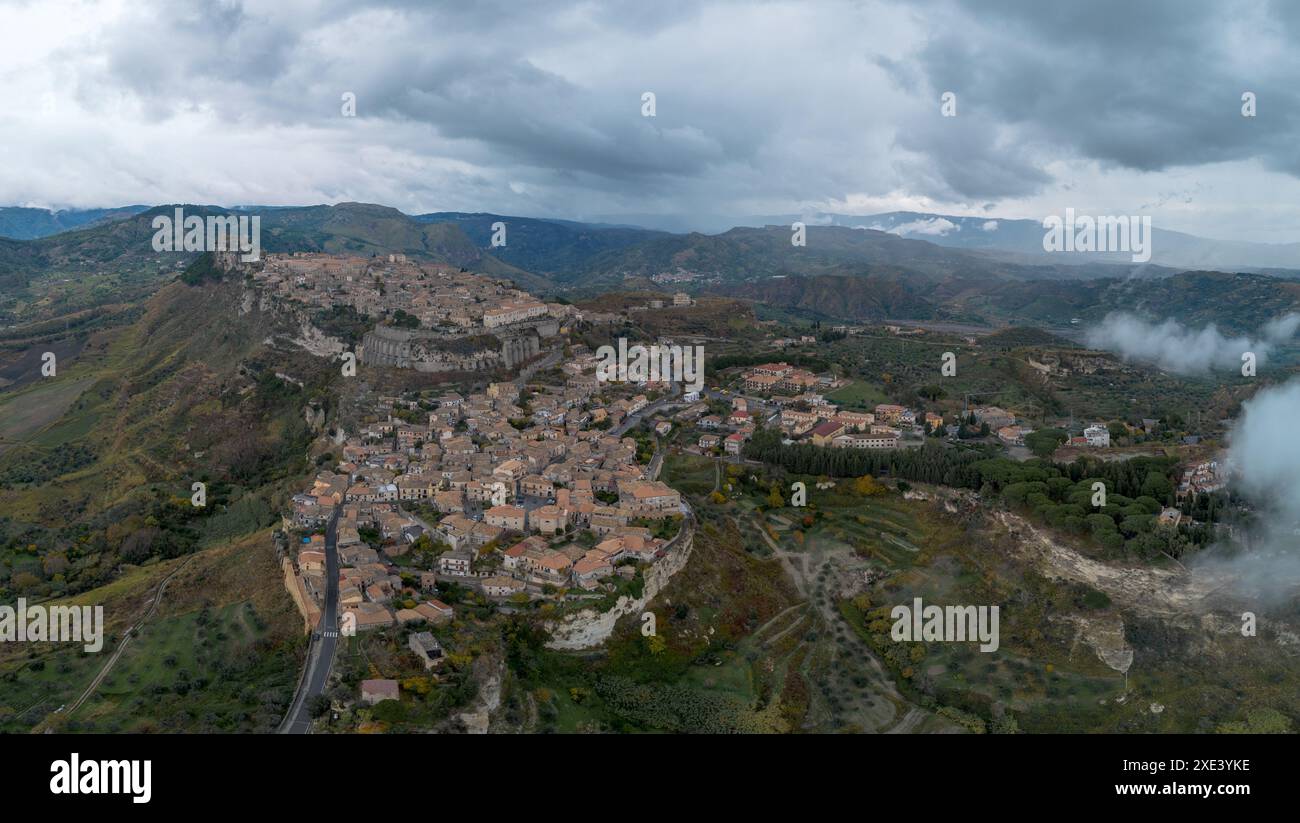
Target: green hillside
pixel 1236 303
pixel 97 462
pixel 96 467
pixel 555 248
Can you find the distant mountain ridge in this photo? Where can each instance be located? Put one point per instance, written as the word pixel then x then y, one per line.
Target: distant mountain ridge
pixel 920 268
pixel 746 254
pixel 555 248
pixel 21 223
pixel 1022 240
pixel 1236 303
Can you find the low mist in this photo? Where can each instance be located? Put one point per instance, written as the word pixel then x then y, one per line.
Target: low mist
pixel 1176 348
pixel 1263 464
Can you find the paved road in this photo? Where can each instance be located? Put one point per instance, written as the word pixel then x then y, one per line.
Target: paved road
pixel 650 410
pixel 324 641
pixel 771 409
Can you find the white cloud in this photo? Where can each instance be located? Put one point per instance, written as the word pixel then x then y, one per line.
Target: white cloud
pixel 1263 462
pixel 1174 347
pixel 934 226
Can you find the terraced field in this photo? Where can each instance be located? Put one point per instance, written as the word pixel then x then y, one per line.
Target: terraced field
pixel 1070 657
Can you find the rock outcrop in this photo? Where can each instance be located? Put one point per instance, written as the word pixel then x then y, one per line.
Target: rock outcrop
pixel 589 628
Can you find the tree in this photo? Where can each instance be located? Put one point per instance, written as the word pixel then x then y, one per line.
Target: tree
pixel 774 498
pixel 867 486
pixel 403 320
pixel 318 705
pixel 1156 485
pixel 1006 724
pixel 1259 721
pixel 1043 443
pixel 1117 430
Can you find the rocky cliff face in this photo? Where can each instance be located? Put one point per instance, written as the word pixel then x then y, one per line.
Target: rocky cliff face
pixel 589 628
pixel 292 324
pixel 316 341
pixel 429 351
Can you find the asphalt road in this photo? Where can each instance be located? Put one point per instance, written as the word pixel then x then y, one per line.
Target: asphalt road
pixel 771 409
pixel 324 641
pixel 649 411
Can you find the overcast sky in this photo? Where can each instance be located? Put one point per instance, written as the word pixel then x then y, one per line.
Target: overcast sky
pixel 534 108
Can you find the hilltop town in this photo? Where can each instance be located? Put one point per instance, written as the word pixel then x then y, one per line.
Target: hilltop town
pixel 479 481
pixel 435 318
pixel 516 493
pixel 400 368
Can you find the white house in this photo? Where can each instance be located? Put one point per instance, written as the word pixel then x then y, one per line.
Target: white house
pixel 1097 436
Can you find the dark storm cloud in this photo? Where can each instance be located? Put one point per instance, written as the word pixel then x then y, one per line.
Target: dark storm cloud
pixel 1139 85
pixel 965 158
pixel 457 69
pixel 765 108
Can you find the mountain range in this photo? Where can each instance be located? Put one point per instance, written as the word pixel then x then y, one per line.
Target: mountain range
pixel 1020 239
pixel 902 265
pixel 552 245
pixel 23 223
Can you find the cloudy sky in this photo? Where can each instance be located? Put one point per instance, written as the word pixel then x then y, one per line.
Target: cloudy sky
pixel 535 108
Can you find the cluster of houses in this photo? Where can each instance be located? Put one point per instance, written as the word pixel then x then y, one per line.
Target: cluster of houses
pixel 1010 433
pixel 1096 436
pixel 783 378
pixel 730 432
pixel 438 296
pixel 787 342
pixel 372 593
pixel 519 495
pixel 830 427
pixel 516 534
pixel 809 416
pixel 1203 478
